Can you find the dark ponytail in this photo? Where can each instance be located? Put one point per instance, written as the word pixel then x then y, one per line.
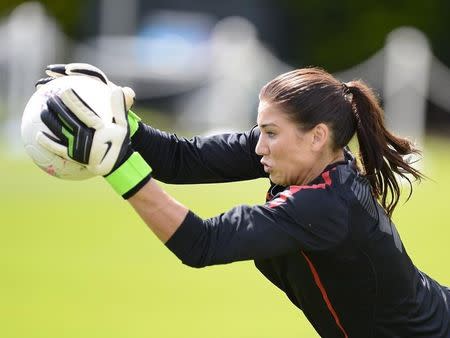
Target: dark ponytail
pixel 310 96
pixel 382 154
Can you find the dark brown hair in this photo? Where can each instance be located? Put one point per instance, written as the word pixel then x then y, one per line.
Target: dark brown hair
pixel 311 96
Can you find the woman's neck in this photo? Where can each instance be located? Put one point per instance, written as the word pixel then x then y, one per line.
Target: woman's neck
pixel 321 164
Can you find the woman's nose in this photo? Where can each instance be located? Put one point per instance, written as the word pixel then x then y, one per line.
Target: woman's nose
pixel 261 148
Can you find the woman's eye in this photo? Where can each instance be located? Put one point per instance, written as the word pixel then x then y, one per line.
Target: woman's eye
pixel 270 134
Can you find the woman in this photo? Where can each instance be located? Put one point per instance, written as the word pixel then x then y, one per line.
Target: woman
pixel 324 236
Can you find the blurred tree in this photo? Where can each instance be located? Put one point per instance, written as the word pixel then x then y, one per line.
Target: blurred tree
pixel 333 34
pixel 339 34
pixel 67 12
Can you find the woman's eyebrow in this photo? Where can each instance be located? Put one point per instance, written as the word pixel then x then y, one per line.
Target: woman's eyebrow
pixel 266 125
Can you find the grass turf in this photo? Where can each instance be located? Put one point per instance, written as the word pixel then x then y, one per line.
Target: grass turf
pixel 77 262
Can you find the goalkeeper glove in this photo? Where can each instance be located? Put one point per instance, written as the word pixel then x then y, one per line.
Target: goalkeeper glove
pixel 103 146
pixel 58 70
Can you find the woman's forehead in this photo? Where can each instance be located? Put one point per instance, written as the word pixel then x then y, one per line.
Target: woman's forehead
pixel 270 113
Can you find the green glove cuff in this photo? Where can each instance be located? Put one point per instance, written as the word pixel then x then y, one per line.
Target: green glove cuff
pixel 133 122
pixel 130 174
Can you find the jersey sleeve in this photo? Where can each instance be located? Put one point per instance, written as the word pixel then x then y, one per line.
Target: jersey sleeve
pixel 213 159
pixel 308 220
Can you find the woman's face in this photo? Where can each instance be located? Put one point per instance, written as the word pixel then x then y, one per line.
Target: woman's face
pixel 289 154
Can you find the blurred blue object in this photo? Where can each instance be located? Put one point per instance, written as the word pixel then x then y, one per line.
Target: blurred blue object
pixel 174 42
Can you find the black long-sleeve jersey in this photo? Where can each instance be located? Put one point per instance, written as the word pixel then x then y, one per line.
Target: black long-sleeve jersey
pixel 328 245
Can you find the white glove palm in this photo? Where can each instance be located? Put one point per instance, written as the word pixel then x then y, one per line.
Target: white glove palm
pixel 104 143
pixel 103 146
pixel 57 70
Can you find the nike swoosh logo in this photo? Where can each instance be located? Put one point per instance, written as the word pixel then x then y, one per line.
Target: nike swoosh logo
pixel 109 144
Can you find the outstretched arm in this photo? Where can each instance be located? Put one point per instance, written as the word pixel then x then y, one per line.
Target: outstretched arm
pixel 242 233
pixel 212 159
pixel 162 213
pixel 221 158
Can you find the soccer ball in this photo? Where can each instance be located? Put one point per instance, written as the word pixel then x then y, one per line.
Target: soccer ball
pixel 94 92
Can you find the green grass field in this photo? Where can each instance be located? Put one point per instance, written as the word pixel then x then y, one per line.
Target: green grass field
pixel 77 262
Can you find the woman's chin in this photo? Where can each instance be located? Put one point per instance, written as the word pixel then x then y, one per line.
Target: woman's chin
pixel 276 179
pixel 272 178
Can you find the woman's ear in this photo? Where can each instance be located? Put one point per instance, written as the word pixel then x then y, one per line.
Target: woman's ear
pixel 320 135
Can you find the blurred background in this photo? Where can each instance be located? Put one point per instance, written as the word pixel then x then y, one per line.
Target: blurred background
pixel 75 260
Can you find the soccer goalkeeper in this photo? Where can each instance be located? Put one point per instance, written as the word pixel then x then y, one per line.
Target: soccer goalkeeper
pixel 324 236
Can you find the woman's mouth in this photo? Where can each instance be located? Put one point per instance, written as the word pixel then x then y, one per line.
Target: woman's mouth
pixel 267 168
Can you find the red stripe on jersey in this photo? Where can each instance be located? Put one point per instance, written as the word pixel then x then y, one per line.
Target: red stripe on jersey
pixel 324 294
pixel 280 199
pixel 296 188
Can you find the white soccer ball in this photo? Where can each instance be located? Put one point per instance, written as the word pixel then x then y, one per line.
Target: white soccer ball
pixel 94 92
